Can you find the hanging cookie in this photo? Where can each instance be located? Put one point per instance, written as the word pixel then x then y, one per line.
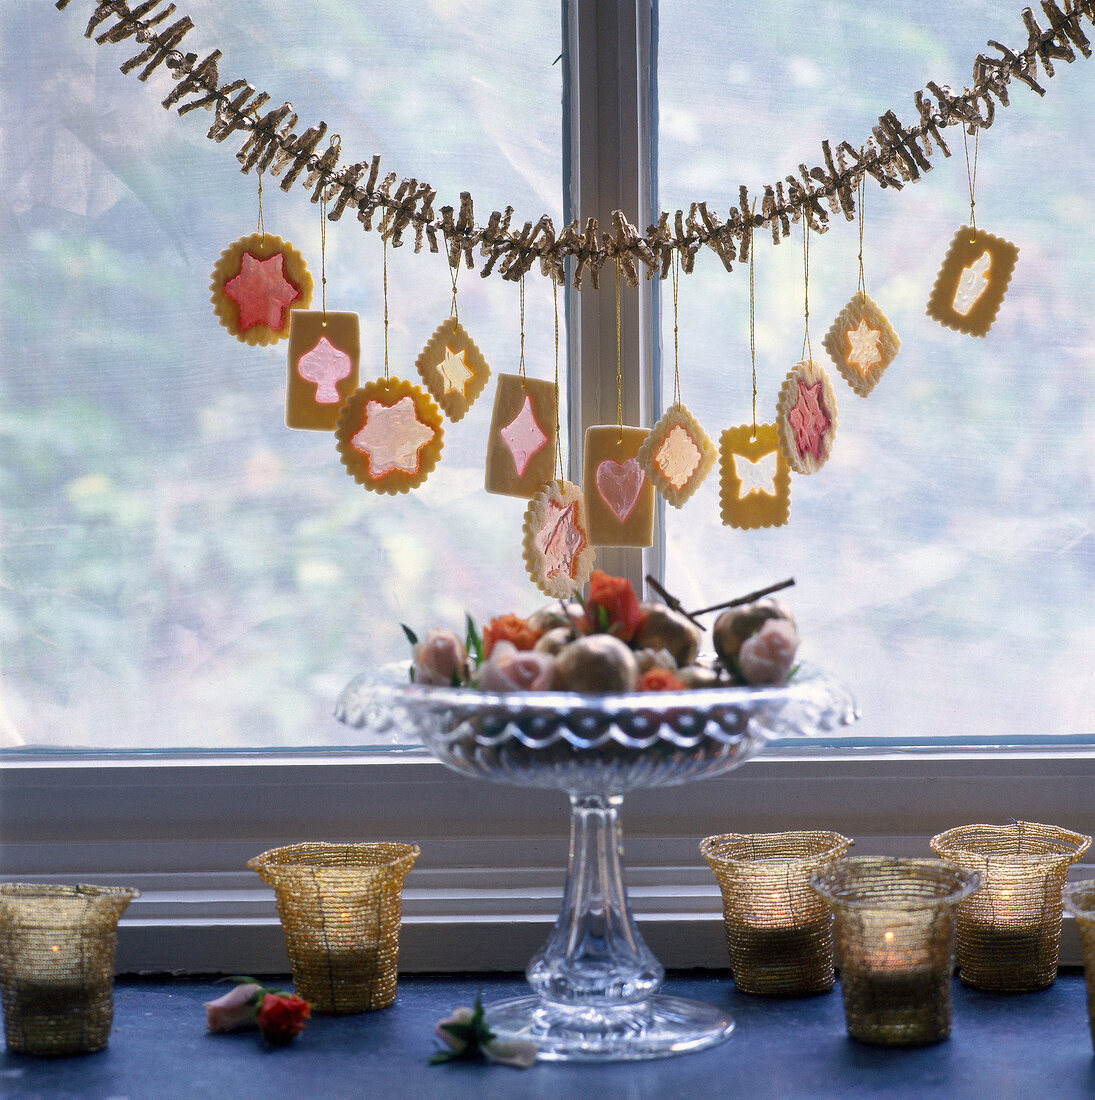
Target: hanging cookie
pixel 324 352
pixel 256 284
pixel 806 417
pixel 862 343
pixel 389 435
pixel 971 284
pixel 452 368
pixel 755 480
pixel 677 455
pixel 558 552
pixel 523 429
pixel 619 496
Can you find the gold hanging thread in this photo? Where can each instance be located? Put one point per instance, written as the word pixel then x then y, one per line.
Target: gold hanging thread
pixel 619 372
pixel 521 361
pixel 558 444
pixel 971 173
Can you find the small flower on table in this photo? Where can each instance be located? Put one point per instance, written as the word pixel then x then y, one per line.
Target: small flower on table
pixel 278 1015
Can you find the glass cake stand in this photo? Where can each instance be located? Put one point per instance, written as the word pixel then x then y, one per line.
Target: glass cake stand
pixel 595 982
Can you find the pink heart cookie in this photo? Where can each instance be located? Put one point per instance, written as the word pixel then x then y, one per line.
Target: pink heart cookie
pixel 619 485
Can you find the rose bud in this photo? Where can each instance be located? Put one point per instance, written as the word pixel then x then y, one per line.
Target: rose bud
pixel 440 660
pixel 511 669
pixel 233 1011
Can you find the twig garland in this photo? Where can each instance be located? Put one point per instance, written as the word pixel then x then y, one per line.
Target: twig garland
pixel 894 155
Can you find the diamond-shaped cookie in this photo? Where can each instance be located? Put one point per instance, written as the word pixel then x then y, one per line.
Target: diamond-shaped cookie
pixel 862 343
pixel 677 455
pixel 452 368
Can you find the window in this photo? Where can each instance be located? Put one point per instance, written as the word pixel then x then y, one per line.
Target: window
pixel 896 609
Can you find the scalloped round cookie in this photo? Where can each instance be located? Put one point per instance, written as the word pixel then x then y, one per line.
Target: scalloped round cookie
pixel 806 417
pixel 256 284
pixel 389 435
pixel 557 551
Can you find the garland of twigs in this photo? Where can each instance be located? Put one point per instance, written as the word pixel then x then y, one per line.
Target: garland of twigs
pixel 893 155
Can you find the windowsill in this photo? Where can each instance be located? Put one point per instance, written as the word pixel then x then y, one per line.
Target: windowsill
pixel 486 888
pixel 1030 1045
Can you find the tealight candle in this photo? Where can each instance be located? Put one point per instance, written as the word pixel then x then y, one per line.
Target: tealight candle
pixel 778 931
pixel 895 940
pixel 1009 933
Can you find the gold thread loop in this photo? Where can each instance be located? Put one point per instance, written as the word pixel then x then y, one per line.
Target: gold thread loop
pixel 521 362
pixel 385 268
pixel 807 350
pixel 454 274
pixel 753 316
pixel 861 193
pixel 558 445
pixel 675 273
pixel 971 173
pixel 619 372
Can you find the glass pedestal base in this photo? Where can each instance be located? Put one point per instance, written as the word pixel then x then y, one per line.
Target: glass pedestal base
pixel 654 1028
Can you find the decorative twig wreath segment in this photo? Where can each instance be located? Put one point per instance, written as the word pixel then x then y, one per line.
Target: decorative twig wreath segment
pixel 452 368
pixel 558 552
pixel 677 455
pixel 619 496
pixel 755 480
pixel 521 444
pixel 806 417
pixel 389 435
pixel 256 283
pixel 322 371
pixel 862 343
pixel 972 282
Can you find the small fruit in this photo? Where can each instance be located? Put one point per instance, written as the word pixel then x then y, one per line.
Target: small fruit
pixel 736 624
pixel 599 663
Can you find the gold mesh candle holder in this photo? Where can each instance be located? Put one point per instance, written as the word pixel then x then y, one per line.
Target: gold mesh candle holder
pixel 1079 900
pixel 1009 932
pixel 57 946
pixel 779 932
pixel 340 907
pixel 895 921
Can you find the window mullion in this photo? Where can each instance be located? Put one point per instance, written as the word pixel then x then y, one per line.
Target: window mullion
pixel 610 123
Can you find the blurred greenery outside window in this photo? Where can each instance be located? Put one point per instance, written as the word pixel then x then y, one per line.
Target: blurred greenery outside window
pixel 178 569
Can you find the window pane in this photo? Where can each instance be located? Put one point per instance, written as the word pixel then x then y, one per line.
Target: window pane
pixel 179 568
pixel 944 555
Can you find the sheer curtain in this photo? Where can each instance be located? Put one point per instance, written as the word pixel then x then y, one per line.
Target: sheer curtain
pixel 944 556
pixel 177 568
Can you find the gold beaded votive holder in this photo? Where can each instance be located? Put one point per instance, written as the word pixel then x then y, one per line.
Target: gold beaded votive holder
pixel 57 947
pixel 340 907
pixel 895 923
pixel 1009 932
pixel 779 932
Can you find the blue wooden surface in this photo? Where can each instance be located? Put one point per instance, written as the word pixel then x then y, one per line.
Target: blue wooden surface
pixel 1029 1046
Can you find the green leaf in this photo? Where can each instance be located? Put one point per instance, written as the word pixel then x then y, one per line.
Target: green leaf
pixel 474 643
pixel 412 637
pixel 602 618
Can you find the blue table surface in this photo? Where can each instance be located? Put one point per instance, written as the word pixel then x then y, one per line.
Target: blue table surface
pixel 1031 1045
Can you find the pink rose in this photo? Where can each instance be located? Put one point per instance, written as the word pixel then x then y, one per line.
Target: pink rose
pixel 511 669
pixel 440 659
pixel 235 1010
pixel 767 656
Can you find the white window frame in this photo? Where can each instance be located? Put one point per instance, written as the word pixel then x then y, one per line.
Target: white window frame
pixel 486 889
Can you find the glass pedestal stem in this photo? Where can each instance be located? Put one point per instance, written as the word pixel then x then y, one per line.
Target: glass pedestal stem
pixel 595 954
pixel 595 981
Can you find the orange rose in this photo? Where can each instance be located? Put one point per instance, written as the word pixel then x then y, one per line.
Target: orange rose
pixel 508 628
pixel 659 679
pixel 281 1016
pixel 612 606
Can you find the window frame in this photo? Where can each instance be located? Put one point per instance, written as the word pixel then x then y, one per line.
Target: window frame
pixel 486 888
